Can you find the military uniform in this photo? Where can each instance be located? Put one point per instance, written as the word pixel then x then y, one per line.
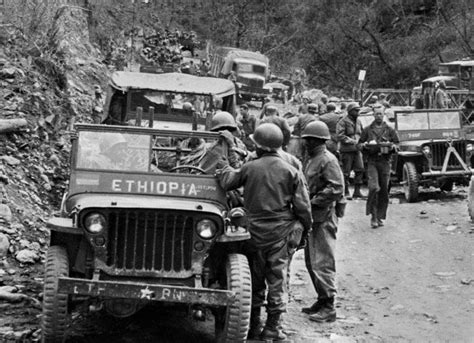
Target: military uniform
pixel 378 168
pixel 302 122
pixel 348 134
pixel 331 119
pixel 235 153
pixel 326 187
pixel 275 198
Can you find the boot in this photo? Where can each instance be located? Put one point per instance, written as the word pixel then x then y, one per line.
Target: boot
pixel 313 308
pixel 374 223
pixel 272 330
pixel 255 323
pixel 326 314
pixel 357 193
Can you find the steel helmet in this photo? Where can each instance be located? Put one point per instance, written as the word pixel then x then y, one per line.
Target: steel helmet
pixel 353 106
pixel 223 120
pixel 267 136
pixel 316 129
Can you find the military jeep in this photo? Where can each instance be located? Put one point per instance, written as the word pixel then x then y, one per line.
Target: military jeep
pixel 434 150
pixel 138 226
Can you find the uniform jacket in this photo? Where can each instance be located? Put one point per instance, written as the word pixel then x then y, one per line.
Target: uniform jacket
pixel 275 196
pixel 385 135
pixel 219 149
pixel 325 182
pixel 348 133
pixel 331 119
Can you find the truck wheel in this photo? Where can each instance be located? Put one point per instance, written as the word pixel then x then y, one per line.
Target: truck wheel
pixel 53 323
pixel 232 325
pixel 470 199
pixel 410 182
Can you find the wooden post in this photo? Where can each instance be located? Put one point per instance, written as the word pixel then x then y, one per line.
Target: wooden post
pixel 151 118
pixel 138 120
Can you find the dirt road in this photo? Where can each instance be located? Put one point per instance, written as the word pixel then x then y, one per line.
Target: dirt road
pixel 409 281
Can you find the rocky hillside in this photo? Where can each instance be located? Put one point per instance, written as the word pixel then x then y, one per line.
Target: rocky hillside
pixel 43 91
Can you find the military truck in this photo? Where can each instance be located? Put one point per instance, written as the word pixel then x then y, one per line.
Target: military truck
pixel 172 101
pixel 248 69
pixel 433 150
pixel 139 226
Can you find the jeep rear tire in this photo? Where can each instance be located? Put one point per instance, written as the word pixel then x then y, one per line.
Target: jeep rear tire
pixel 234 324
pixel 410 182
pixel 470 199
pixel 55 312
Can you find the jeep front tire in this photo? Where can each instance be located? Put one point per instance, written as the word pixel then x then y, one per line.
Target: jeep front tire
pixel 54 320
pixel 234 325
pixel 410 182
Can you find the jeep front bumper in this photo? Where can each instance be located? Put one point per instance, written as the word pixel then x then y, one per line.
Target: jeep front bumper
pixel 145 291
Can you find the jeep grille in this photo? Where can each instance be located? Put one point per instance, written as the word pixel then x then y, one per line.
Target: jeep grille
pixel 148 240
pixel 439 150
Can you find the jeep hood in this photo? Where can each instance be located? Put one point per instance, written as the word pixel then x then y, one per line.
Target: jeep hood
pixel 86 200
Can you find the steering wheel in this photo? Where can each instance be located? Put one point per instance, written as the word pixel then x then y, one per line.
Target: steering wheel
pixel 184 166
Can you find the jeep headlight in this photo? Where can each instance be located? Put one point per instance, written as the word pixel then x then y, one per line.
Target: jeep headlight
pixel 206 229
pixel 469 147
pixel 426 150
pixel 95 223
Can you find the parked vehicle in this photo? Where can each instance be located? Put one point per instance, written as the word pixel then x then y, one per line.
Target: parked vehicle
pixel 137 227
pixel 248 69
pixel 162 100
pixel 434 150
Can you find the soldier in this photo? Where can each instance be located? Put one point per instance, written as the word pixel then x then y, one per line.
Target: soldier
pixel 441 97
pixel 228 146
pixel 378 165
pixel 326 188
pixel 271 116
pixel 247 124
pixel 98 105
pixel 331 118
pixel 305 119
pixel 348 130
pixel 322 106
pixel 277 203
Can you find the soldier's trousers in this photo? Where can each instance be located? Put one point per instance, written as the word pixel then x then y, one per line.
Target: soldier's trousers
pixel 269 268
pixel 320 257
pixel 378 173
pixel 352 161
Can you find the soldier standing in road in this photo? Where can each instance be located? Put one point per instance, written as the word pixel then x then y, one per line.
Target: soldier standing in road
pixel 247 124
pixel 331 118
pixel 441 97
pixel 378 165
pixel 326 188
pixel 277 202
pixel 348 130
pixel 271 116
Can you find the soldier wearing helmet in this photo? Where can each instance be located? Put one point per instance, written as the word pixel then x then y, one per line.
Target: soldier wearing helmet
pixel 277 202
pixel 331 118
pixel 305 119
pixel 228 145
pixel 326 190
pixel 349 129
pixel 271 115
pixel 322 106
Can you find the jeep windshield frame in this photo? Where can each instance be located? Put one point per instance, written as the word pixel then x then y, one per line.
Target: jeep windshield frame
pixel 429 124
pixel 133 149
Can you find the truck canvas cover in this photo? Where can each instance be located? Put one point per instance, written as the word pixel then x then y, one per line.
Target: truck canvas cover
pixel 172 82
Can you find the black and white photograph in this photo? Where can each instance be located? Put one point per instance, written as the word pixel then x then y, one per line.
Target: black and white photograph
pixel 202 171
